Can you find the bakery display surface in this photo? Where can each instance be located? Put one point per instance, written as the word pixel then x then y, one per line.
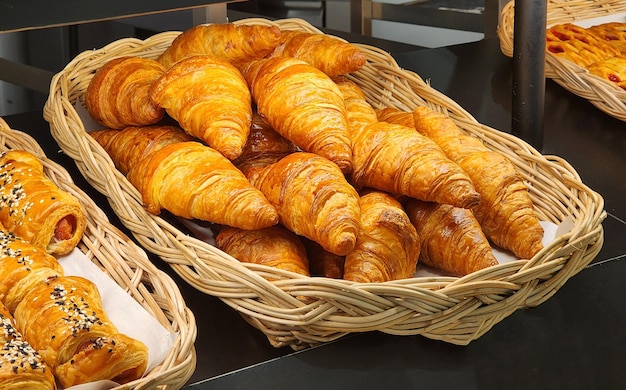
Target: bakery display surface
pixel 544 339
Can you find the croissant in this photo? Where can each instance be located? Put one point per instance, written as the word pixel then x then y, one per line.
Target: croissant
pixel 21 366
pixel 303 105
pixel 359 112
pixel 313 199
pixel 264 146
pixel 22 265
pixel 327 53
pixel 274 246
pixel 34 208
pixel 237 44
pixel 117 95
pixel 322 262
pixel 393 115
pixel 210 100
pixel 388 245
pixel 451 238
pixel 64 320
pixel 192 180
pixel 127 147
pixel 505 210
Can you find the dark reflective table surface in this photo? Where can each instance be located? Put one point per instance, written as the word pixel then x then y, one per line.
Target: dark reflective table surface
pixel 575 340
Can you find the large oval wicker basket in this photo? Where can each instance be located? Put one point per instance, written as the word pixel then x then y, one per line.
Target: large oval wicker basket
pixel 301 311
pixel 128 265
pixel 603 94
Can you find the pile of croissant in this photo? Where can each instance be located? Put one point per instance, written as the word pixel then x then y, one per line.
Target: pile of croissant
pixel 262 132
pixel 55 330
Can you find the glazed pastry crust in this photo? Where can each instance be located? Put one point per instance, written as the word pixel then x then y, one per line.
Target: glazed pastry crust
pixel 21 366
pixel 303 105
pixel 505 211
pixel 274 246
pixel 237 44
pixel 127 147
pixel 451 238
pixel 387 247
pixel 329 54
pixel 313 199
pixel 264 146
pixel 210 100
pixel 64 320
pixel 34 208
pixel 396 159
pixel 22 265
pixel 214 191
pixel 322 262
pixel 117 96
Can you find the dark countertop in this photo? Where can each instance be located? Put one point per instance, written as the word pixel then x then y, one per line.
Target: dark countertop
pixel 575 340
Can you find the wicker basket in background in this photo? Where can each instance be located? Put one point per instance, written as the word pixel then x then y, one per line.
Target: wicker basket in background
pixel 130 268
pixel 603 94
pixel 300 311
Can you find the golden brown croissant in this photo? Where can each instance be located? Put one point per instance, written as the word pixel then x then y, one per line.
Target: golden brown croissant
pixel 450 237
pixel 303 105
pixel 274 246
pixel 21 366
pixel 390 176
pixel 127 147
pixel 34 208
pixel 237 44
pixel 327 53
pixel 505 211
pixel 322 262
pixel 398 160
pixel 117 95
pixel 192 180
pixel 313 199
pixel 210 100
pixel 359 112
pixel 387 247
pixel 22 265
pixel 393 115
pixel 264 146
pixel 64 320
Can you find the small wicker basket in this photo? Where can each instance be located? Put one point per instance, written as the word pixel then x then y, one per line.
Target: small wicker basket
pixel 603 94
pixel 301 311
pixel 115 254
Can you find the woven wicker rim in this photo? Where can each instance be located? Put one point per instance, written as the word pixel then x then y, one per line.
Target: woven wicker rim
pixel 115 254
pixel 301 311
pixel 603 94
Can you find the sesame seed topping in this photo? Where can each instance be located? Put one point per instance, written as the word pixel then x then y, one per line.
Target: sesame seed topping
pixel 17 352
pixel 79 315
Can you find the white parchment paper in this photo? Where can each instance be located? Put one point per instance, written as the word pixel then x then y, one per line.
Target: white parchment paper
pixel 124 312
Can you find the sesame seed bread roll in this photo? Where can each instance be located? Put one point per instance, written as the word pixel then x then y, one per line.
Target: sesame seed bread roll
pixel 34 208
pixel 21 366
pixel 64 320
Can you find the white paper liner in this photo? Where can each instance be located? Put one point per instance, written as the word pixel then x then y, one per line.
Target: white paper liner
pixel 124 312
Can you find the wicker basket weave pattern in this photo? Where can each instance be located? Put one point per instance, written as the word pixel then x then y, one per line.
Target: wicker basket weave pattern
pixel 297 311
pixel 603 94
pixel 115 254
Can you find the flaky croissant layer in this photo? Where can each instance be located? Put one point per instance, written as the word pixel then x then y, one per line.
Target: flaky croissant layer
pixel 313 199
pixel 303 105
